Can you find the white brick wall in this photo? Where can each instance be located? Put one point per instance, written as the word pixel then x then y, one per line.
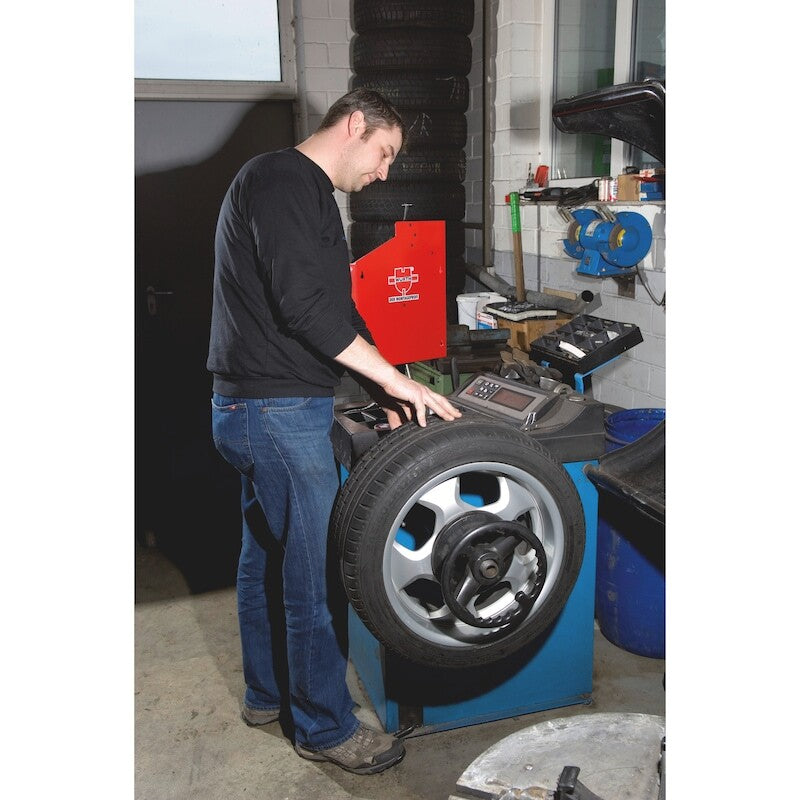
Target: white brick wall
pixel 323 33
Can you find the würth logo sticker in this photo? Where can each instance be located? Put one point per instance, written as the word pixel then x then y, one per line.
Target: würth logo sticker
pixel 403 280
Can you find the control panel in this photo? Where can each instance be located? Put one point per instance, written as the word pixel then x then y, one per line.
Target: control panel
pixel 507 399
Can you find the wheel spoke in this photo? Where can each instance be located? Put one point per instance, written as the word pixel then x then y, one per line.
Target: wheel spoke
pixel 441 614
pixel 445 501
pixel 518 574
pixel 408 566
pixel 499 606
pixel 514 500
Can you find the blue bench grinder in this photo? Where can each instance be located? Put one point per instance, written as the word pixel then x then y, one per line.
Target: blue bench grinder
pixel 607 244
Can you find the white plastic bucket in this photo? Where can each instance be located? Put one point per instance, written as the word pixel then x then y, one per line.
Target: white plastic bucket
pixel 470 305
pixel 467 306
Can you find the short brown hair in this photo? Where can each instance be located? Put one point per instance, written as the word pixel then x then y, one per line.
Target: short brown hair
pixel 377 110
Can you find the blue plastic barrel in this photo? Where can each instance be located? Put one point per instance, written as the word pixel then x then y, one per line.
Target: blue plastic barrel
pixel 630 588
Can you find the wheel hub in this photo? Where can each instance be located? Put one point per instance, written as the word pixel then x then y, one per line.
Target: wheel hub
pixel 486 567
pixel 472 559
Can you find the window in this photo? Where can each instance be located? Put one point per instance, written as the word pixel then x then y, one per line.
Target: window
pixel 213 49
pixel 597 43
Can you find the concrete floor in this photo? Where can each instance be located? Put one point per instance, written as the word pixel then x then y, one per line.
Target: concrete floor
pixel 190 743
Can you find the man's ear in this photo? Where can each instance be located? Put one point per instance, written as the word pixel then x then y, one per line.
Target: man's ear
pixel 356 125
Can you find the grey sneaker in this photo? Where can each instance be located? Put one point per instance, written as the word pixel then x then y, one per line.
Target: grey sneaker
pixel 259 716
pixel 365 752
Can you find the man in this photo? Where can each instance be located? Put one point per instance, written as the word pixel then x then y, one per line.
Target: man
pixel 283 329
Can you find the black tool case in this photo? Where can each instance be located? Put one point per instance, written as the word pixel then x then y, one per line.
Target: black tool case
pixel 598 339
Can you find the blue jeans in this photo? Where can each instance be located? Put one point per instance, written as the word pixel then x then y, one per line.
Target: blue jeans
pixel 282 448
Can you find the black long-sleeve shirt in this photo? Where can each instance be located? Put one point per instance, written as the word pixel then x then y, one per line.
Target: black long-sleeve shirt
pixel 282 304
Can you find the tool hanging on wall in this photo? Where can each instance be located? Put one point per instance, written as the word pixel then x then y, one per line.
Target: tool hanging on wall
pixel 519 309
pixel 607 244
pixel 516 233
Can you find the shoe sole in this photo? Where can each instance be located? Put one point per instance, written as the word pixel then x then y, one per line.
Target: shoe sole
pixel 253 724
pixel 371 769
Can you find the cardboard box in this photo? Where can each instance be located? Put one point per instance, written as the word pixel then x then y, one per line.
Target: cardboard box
pixel 628 187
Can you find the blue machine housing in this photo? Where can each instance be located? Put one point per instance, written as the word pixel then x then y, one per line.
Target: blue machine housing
pixel 607 247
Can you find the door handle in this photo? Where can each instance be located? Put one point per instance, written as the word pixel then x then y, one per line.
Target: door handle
pixel 152 299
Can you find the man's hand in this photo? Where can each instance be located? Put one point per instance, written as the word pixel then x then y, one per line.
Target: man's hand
pixel 411 398
pixel 415 399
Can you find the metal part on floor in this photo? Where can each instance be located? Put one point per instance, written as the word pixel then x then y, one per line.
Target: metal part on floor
pixel 618 755
pixel 570 788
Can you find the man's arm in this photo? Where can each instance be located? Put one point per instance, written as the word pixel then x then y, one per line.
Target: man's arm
pixel 364 358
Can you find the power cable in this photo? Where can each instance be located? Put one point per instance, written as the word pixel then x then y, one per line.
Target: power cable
pixel 663 301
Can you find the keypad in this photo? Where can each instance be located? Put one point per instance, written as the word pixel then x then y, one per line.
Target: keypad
pixel 483 389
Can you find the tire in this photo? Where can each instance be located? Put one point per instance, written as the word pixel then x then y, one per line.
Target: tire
pixel 434 130
pixel 432 165
pixel 366 236
pixel 402 521
pixel 457 15
pixel 387 202
pixel 416 50
pixel 422 92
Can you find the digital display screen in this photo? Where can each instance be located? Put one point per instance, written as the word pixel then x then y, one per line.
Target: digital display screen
pixel 509 399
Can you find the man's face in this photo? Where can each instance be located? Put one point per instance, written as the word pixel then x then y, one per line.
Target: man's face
pixel 365 161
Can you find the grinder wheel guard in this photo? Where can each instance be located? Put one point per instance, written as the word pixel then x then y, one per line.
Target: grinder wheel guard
pixel 459 542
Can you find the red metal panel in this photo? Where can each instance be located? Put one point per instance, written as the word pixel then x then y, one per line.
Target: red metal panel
pixel 399 290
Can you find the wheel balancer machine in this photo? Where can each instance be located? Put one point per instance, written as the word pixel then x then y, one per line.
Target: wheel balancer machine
pixel 467 548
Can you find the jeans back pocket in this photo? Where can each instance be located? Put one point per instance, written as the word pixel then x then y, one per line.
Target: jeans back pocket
pixel 229 430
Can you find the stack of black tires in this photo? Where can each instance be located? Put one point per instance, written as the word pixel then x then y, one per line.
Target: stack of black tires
pixel 418 54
